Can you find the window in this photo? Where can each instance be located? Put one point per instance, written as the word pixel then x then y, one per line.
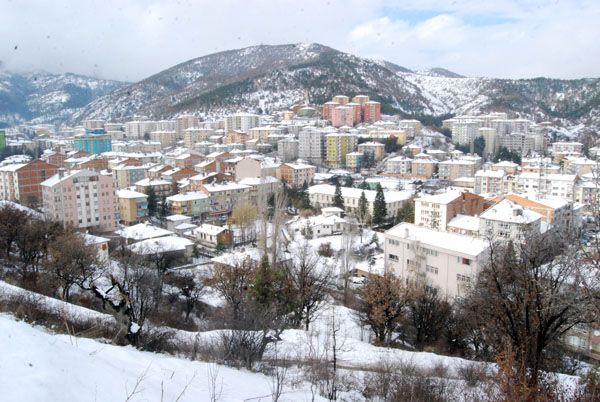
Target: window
pixel 393 257
pixel 466 261
pixel 463 278
pixel 431 269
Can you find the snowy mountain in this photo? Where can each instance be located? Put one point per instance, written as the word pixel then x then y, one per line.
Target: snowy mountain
pixel 266 78
pixel 47 97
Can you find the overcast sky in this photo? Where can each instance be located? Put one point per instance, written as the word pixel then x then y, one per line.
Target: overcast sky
pixel 132 39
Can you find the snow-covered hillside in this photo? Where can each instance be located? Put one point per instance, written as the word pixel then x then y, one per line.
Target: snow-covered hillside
pixel 38 366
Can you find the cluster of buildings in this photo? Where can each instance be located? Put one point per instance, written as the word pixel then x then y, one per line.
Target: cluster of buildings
pixel 341 112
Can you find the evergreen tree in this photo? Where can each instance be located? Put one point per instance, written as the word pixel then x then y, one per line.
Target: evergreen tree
pixel 364 185
pixel 152 201
pixel 164 207
pixel 304 198
pixel 479 146
pixel 338 201
pixel 379 207
pixel 348 181
pixel 406 213
pixel 363 208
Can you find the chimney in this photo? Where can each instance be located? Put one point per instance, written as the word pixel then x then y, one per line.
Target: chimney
pixel 406 233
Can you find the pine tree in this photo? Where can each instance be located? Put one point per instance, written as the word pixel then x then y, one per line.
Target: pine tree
pixel 363 208
pixel 379 207
pixel 406 213
pixel 305 199
pixel 338 201
pixel 364 185
pixel 152 201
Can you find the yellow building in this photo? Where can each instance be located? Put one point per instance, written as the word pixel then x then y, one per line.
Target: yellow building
pixel 337 147
pixel 133 206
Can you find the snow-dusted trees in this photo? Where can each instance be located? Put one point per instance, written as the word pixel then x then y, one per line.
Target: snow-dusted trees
pixel 12 220
pixel 383 300
pixel 72 262
pixel 310 280
pixel 526 298
pixel 379 207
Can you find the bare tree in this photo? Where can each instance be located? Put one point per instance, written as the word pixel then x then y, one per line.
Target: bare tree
pixel 72 262
pixel 12 220
pixel 382 305
pixel 232 283
pixel 427 316
pixel 347 259
pixel 33 240
pixel 244 217
pixel 311 281
pixel 527 297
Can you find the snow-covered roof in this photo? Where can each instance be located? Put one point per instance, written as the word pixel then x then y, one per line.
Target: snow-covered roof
pixel 509 211
pixel 189 196
pixel 442 198
pixel 300 166
pixel 237 257
pixel 177 217
pixel 209 229
pixel 551 176
pixel 91 239
pixel 185 226
pixel 143 231
pixel 458 243
pixel 466 222
pixel 130 194
pixel 490 173
pixel 216 187
pixel 12 168
pixel 161 245
pixel 152 182
pixel 351 192
pixel 255 181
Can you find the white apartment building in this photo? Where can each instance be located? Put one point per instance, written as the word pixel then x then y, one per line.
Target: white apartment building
pixel 399 165
pixel 137 129
pixel 508 220
pixel 489 182
pixel 311 144
pixel 557 185
pixel 241 122
pixel 435 211
pixel 567 147
pixel 464 132
pixel 322 196
pixel 455 168
pixel 521 143
pixel 447 261
pixel 288 149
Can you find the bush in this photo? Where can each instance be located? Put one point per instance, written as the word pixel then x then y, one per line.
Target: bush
pixel 325 250
pixel 472 373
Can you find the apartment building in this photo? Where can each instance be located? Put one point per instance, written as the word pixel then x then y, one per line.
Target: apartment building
pixel 241 122
pixel 399 165
pixel 128 175
pixel 81 198
pixel 343 116
pixel 411 126
pixel 554 211
pixel 449 262
pixel 162 188
pixel 225 196
pixel 543 185
pixel 424 167
pixel 288 149
pixel 567 147
pixel 489 182
pixel 354 160
pixel 455 168
pixel 133 206
pixel 312 145
pixel 337 146
pixel 192 203
pixel 296 174
pixel 322 196
pixel 375 149
pixel 21 181
pixel 508 220
pixel 371 111
pixel 435 211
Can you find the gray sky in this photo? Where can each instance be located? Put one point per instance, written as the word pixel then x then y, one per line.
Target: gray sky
pixel 133 39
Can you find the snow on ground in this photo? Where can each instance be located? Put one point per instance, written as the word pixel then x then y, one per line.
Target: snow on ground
pixel 38 366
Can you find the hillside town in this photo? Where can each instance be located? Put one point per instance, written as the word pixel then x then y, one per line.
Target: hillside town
pixel 353 196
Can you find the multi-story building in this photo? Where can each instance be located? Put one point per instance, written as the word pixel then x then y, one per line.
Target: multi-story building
pixel 162 188
pixel 296 174
pixel 399 165
pixel 506 166
pixel 225 196
pixel 435 211
pixel 167 138
pixel 328 108
pixel 133 206
pixel 375 149
pixel 455 168
pixel 371 111
pixel 193 135
pixel 464 132
pixel 81 198
pixel 192 203
pixel 337 146
pixel 128 175
pixel 322 195
pixel 21 182
pixel 554 211
pixel 544 185
pixel 342 116
pixel 287 149
pixel 341 99
pixel 490 137
pixel 447 261
pixel 139 129
pixel 311 145
pixel 400 135
pixel 241 122
pixel 567 147
pixel 489 182
pixel 93 141
pixel 185 122
pixel 424 167
pixel 411 126
pixel 354 160
pixel 360 99
pixel 508 220
pixel 521 143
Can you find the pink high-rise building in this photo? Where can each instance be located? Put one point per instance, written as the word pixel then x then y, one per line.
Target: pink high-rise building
pixel 82 199
pixel 328 109
pixel 371 112
pixel 357 110
pixel 342 116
